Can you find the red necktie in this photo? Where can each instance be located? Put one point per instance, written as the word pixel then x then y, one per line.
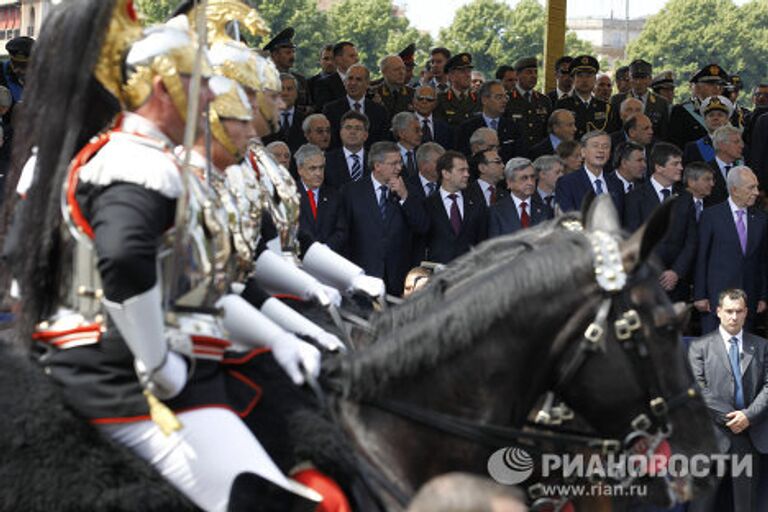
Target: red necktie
pixel 312 203
pixel 455 215
pixel 525 219
pixel 493 195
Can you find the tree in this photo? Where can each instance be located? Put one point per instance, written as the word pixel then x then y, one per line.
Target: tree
pixel 496 34
pixel 684 36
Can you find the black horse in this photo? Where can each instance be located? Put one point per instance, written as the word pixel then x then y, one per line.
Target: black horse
pixel 480 344
pixel 505 324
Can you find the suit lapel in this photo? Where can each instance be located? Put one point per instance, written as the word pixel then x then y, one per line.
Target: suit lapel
pixel 748 346
pixel 439 209
pixel 752 230
pixel 372 200
pixel 719 347
pixel 469 210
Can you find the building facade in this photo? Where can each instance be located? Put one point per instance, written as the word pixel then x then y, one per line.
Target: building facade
pixel 609 36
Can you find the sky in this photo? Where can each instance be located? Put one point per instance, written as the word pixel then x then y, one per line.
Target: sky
pixel 432 15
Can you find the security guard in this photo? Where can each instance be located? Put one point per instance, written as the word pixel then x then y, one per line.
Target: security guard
pixel 458 103
pixel 591 113
pixel 528 108
pixel 392 92
pixel 686 123
pixel 564 80
pixel 283 53
pixel 656 107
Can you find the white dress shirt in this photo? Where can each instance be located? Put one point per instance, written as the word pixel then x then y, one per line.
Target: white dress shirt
pixel 448 202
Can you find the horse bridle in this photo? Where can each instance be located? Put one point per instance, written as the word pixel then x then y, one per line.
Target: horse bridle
pixel 627 328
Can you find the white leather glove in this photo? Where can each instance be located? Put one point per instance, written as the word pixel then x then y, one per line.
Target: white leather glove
pixel 328 341
pixel 168 380
pixel 369 285
pixel 293 321
pixel 292 354
pixel 331 293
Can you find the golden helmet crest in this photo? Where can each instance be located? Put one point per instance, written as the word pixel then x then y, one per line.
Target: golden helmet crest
pixel 124 29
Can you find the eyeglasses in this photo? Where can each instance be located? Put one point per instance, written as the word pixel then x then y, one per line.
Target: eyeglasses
pixel 499 161
pixel 353 128
pixel 393 163
pixel 425 98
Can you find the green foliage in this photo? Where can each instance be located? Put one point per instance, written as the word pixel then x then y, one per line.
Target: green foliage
pixel 688 34
pixel 496 34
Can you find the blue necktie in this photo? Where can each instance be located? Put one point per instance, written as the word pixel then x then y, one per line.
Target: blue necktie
pixel 431 188
pixel 699 207
pixel 733 355
pixel 357 169
pixel 598 186
pixel 383 201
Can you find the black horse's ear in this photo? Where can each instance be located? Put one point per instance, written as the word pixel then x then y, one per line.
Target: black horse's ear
pixel 602 216
pixel 641 244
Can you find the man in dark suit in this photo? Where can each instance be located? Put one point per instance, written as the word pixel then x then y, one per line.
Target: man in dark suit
pixel 564 80
pixel 432 128
pixel 347 163
pixel 379 218
pixel 678 247
pixel 699 179
pixel 494 101
pixel 490 171
pixel 517 211
pixel 291 118
pixel 319 202
pixel 630 165
pixel 527 107
pixel 732 249
pixel 571 188
pixel 331 87
pixel 561 126
pixel 728 146
pixel 327 67
pixel 406 131
pixel 637 129
pixel 457 221
pixel 422 186
pixel 591 113
pixel 549 169
pixel 654 106
pixel 356 87
pixel 730 366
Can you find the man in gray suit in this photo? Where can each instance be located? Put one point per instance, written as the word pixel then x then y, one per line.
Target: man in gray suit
pixel 739 405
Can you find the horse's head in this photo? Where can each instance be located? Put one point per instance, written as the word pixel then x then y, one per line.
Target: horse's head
pixel 621 363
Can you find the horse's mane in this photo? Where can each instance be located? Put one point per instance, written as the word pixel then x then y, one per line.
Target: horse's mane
pixel 508 286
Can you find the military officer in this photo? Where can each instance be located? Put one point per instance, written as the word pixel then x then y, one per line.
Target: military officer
pixel 732 91
pixel 655 107
pixel 527 107
pixel 663 84
pixel 392 92
pixel 407 54
pixel 622 79
pixel 686 123
pixel 458 103
pixel 591 113
pixel 283 53
pixel 564 79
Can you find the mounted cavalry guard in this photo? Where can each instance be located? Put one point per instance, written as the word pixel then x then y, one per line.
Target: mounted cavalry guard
pixel 126 279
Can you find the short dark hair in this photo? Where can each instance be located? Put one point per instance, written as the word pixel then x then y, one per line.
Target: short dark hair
pixel 326 48
pixel 445 52
pixel 662 152
pixel 338 48
pixel 502 70
pixel 485 89
pixel 623 151
pixel 357 116
pixel 567 147
pixel 630 124
pixel 695 170
pixel 445 162
pixel 733 294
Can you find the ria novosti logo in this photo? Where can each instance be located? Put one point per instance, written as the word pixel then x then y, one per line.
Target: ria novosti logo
pixel 510 466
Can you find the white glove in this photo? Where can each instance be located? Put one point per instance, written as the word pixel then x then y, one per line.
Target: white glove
pixel 369 285
pixel 331 293
pixel 292 354
pixel 294 322
pixel 168 380
pixel 328 341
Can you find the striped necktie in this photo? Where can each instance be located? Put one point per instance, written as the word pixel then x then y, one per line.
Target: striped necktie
pixel 357 169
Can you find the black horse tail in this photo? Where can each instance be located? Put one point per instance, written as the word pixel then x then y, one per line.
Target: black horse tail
pixel 63 107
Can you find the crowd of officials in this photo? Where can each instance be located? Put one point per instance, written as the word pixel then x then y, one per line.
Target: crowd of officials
pixel 423 164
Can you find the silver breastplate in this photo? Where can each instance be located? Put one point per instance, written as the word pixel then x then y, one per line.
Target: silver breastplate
pixel 281 198
pixel 243 191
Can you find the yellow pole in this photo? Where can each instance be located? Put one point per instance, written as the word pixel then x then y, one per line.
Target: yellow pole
pixel 554 38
